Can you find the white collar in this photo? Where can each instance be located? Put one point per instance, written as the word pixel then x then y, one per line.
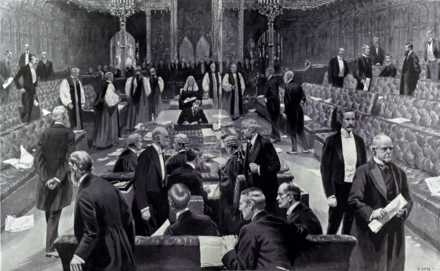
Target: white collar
pixel 133 150
pixel 82 178
pixel 291 208
pixel 269 77
pixel 256 213
pixel 340 58
pixel 109 82
pixel 158 148
pixel 254 139
pixel 345 132
pixel 379 162
pixel 60 123
pixel 430 40
pixel 182 151
pixel 364 55
pixel 31 65
pixel 289 81
pixel 181 212
pixel 191 164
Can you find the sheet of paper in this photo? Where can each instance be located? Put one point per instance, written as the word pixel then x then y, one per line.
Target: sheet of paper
pixel 220 116
pixel 210 155
pixel 210 251
pixel 392 208
pixel 7 82
pixel 214 191
pixel 162 229
pixel 45 112
pixel 433 185
pixel 219 160
pixel 139 126
pixel 102 159
pixel 252 110
pixel 279 150
pixel 307 118
pixel 148 137
pixel 26 160
pixel 215 127
pixel 260 96
pixel 367 83
pixel 399 120
pixel 165 122
pixel 16 224
pixel 315 98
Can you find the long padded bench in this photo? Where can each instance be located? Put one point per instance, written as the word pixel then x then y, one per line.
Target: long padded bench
pixel 327 252
pixel 319 113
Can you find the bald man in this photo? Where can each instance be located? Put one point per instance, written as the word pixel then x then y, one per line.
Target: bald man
pixel 150 205
pixel 375 185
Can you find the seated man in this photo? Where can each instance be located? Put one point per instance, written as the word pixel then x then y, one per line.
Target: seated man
pixel 266 243
pixel 127 160
pixel 181 144
pixel 193 115
pixel 187 223
pixel 288 198
pixel 189 175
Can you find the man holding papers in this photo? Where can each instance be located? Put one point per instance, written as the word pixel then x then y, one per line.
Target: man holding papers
pixel 377 184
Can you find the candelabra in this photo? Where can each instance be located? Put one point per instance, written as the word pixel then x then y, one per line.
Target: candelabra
pixel 270 9
pixel 122 9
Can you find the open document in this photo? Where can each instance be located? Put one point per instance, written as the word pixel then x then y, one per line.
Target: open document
pixel 392 208
pixel 433 185
pixel 7 82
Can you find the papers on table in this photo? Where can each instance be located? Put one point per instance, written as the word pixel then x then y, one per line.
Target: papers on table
pixel 210 155
pixel 315 98
pixel 208 135
pixel 45 112
pixel 252 110
pixel 278 150
pixel 16 224
pixel 260 96
pixel 399 120
pixel 283 136
pixel 219 160
pixel 148 137
pixel 162 228
pixel 225 124
pixel 380 97
pixel 210 251
pixel 215 127
pixel 433 185
pixel 367 83
pixel 214 190
pixel 220 116
pixel 25 161
pixel 139 126
pixel 307 118
pixel 165 122
pixel 7 82
pixel 392 208
pixel 111 163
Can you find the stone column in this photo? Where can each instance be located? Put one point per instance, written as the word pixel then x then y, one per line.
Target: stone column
pixel 240 30
pixel 217 27
pixel 173 29
pixel 148 27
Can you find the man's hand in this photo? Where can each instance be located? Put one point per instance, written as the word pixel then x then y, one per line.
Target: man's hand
pixel 228 243
pixel 332 202
pixel 378 64
pixel 379 213
pixel 75 264
pixel 253 167
pixel 185 122
pixel 401 212
pixel 52 184
pixel 22 90
pixel 194 123
pixel 146 215
pixel 363 81
pixel 70 106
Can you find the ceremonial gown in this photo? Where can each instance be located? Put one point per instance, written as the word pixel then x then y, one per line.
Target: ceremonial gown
pixel 138 89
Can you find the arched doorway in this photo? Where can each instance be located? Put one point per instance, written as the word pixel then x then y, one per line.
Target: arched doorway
pixel 202 49
pixel 186 50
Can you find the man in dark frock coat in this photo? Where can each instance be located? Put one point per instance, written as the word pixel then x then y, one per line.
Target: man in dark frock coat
pixel 294 99
pixel 342 153
pixel 103 222
pixel 127 160
pixel 363 70
pixel 150 205
pixel 410 71
pixel 267 243
pixel 337 69
pixel 376 184
pixel 289 196
pixel 51 159
pixel 261 163
pixel 28 89
pixel 44 68
pixel 181 144
pixel 187 223
pixel 273 103
pixel 389 69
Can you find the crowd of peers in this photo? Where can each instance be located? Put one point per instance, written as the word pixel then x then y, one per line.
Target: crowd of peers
pixel 374 55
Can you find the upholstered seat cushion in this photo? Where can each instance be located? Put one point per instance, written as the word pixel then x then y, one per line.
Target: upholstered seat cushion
pixel 313 127
pixel 384 85
pixel 9 116
pixel 11 179
pixel 428 89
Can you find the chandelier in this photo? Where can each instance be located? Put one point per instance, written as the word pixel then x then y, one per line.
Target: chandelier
pixel 122 9
pixel 269 8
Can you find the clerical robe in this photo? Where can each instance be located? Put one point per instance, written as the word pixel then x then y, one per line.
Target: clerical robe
pixel 212 85
pixel 72 92
pixel 155 98
pixel 232 101
pixel 106 117
pixel 138 89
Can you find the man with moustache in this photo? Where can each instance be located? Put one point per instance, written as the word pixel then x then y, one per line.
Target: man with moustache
pixel 375 185
pixel 410 71
pixel 103 224
pixel 73 98
pixel 342 153
pixel 389 70
pixel 51 159
pixel 25 58
pixel 431 55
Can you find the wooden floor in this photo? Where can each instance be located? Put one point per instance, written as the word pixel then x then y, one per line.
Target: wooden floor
pixel 26 250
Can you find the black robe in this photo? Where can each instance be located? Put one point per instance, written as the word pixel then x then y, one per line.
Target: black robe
pixel 303 215
pixel 191 224
pixel 187 115
pixel 389 71
pixel 188 94
pixel 293 96
pixel 126 162
pixel 176 161
pixel 229 172
pixel 190 177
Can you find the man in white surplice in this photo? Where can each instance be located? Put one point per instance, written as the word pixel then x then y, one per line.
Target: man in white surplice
pixel 72 97
pixel 233 85
pixel 137 89
pixel 212 85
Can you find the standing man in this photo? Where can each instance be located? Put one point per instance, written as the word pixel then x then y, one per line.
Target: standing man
pixel 364 69
pixel 294 99
pixel 51 163
pixel 410 71
pixel 72 97
pixel 181 144
pixel 337 69
pixel 261 163
pixel 267 243
pixel 234 86
pixel 25 58
pixel 212 84
pixel 431 55
pixel 155 98
pixel 44 68
pixel 289 196
pixel 389 70
pixel 342 153
pixel 137 89
pixel 377 54
pixel 5 74
pixel 273 103
pixel 150 205
pixel 29 74
pixel 376 184
pixel 103 223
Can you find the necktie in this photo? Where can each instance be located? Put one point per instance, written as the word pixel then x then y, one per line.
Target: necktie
pixel 384 167
pixel 429 42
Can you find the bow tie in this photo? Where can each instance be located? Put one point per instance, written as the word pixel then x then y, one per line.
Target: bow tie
pixel 347 135
pixel 429 42
pixel 384 167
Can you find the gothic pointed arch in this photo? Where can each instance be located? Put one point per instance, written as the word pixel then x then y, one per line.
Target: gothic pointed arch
pixel 202 49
